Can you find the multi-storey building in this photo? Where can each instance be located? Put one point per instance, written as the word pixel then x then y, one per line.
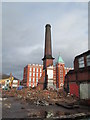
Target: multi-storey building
pixel 60 72
pixel 32 74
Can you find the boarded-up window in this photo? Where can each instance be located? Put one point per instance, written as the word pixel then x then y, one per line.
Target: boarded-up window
pixel 84 91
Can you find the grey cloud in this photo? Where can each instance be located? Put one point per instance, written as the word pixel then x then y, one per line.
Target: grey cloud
pixel 24 33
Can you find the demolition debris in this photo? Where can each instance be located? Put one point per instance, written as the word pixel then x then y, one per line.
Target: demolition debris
pixel 32 103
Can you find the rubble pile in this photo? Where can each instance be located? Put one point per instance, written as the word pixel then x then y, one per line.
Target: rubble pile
pixel 40 97
pixel 41 103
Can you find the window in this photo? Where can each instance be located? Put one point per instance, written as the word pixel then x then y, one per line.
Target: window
pixel 33 74
pixel 33 69
pixel 61 77
pixel 30 74
pixel 61 80
pixel 40 74
pixel 40 69
pixel 61 72
pixel 30 79
pixel 81 62
pixel 61 84
pixel 36 79
pixel 30 69
pixel 29 83
pixel 37 69
pixel 88 60
pixel 37 74
pixel 7 80
pixel 33 80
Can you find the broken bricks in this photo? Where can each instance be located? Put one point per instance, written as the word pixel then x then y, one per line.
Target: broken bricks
pixel 43 97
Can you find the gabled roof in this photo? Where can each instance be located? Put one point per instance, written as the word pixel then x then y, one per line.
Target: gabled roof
pixel 84 53
pixel 60 60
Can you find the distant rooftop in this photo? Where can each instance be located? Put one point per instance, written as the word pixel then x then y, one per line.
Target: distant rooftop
pixel 5 76
pixel 60 60
pixel 35 64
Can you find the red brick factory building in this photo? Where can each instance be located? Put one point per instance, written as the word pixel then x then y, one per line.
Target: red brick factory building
pixel 32 74
pixel 47 75
pixel 77 81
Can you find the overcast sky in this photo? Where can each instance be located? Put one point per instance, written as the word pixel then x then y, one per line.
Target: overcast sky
pixel 23 33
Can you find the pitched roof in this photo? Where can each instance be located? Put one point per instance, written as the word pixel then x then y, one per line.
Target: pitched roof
pixel 60 60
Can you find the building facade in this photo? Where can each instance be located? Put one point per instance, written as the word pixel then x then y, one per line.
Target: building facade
pixel 9 81
pixel 60 73
pixel 32 74
pixel 56 74
pixel 77 81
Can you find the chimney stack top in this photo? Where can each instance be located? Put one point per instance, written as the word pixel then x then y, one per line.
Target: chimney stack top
pixel 48 25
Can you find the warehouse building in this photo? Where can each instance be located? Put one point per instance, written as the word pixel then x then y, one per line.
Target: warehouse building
pixel 32 74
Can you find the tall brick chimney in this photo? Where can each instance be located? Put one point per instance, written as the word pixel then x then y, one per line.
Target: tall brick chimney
pixel 48 59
